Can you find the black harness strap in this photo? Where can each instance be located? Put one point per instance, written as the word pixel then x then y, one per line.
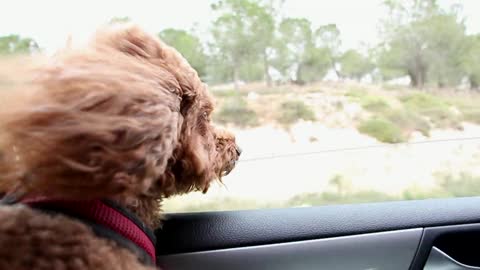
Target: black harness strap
pixel 102 231
pixel 99 230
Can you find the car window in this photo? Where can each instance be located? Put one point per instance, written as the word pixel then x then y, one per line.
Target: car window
pixel 331 101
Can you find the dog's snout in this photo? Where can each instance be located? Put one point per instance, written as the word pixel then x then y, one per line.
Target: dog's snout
pixel 239 150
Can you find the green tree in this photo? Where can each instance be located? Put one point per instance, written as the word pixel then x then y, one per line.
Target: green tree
pixel 189 46
pixel 14 44
pixel 296 56
pixel 293 43
pixel 274 8
pixel 446 39
pixel 419 36
pixel 218 69
pixel 354 65
pixel 471 61
pixel 242 34
pixel 328 38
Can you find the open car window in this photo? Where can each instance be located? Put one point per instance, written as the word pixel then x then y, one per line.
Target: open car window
pixel 332 102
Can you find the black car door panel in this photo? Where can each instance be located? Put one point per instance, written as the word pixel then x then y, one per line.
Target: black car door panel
pixel 426 234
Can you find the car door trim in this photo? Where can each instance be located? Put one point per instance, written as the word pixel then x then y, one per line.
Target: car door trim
pixel 386 250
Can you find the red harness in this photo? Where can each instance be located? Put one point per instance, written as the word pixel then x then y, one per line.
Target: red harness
pixel 108 220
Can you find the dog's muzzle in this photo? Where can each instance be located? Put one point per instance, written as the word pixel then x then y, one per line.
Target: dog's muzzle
pixel 232 163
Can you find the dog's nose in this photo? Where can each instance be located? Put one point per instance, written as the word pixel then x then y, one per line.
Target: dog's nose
pixel 239 150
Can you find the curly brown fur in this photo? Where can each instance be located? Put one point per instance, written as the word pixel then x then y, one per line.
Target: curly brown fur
pixel 31 240
pixel 126 119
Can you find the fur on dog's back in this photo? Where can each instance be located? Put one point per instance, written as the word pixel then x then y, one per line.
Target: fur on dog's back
pixel 33 240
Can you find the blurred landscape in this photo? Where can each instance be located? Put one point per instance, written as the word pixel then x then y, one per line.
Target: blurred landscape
pixel 321 122
pixel 330 143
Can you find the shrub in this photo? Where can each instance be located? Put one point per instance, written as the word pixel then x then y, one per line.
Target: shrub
pixel 434 108
pixel 219 204
pixel 472 116
pixel 462 186
pixel 468 106
pixel 326 198
pixel 292 111
pixel 272 91
pixel 356 93
pixel 414 193
pixel 382 129
pixel 422 101
pixel 408 121
pixel 374 104
pixel 393 87
pixel 228 93
pixel 235 111
pixel 340 184
pixel 369 102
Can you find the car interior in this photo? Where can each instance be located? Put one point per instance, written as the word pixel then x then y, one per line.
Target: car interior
pixel 427 234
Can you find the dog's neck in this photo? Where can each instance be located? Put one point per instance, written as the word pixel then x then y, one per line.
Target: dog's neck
pixel 106 218
pixel 146 209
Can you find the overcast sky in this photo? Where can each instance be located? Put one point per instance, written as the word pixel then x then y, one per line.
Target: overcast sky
pixel 50 22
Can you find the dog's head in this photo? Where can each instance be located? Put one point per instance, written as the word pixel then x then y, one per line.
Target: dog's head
pixel 125 118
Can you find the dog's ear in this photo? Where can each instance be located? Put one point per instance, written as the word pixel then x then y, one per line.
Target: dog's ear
pixel 130 40
pixel 97 126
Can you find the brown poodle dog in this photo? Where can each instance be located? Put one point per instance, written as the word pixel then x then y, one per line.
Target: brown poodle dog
pixel 125 120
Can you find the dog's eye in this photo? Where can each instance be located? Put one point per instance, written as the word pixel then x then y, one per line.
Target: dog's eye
pixel 205 116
